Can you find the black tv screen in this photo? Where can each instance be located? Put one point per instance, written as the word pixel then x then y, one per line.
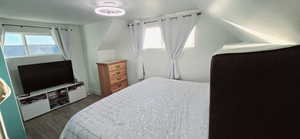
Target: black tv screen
pixel 41 76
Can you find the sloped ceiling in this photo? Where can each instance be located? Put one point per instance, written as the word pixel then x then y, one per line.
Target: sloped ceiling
pixel 82 11
pixel 276 21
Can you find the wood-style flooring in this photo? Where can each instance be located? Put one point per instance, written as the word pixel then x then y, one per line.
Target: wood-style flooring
pixel 50 125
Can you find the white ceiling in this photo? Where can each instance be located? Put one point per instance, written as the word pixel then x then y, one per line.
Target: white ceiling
pixel 273 20
pixel 81 11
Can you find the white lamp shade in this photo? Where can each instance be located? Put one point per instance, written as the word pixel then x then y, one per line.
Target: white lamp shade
pixel 4 91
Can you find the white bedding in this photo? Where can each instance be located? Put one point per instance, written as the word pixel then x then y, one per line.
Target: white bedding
pixel 156 108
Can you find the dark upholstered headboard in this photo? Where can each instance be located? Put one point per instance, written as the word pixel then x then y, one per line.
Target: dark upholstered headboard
pixel 256 95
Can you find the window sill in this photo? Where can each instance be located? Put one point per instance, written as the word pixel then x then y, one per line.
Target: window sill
pixel 33 56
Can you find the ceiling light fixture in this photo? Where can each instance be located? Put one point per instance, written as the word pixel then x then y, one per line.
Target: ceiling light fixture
pixel 109 8
pixel 110 11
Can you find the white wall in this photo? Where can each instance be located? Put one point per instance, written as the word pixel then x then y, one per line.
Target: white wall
pixel 211 36
pixel 94 35
pixel 76 53
pixel 194 64
pixel 102 38
pixel 275 21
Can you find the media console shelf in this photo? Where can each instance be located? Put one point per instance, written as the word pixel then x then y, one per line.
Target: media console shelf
pixel 46 100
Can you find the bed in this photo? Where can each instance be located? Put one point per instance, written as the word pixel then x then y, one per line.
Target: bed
pixel 155 108
pixel 255 93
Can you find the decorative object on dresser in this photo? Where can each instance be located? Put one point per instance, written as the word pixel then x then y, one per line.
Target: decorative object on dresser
pixel 113 76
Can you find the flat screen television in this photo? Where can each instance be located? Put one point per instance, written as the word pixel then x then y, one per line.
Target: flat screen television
pixel 41 76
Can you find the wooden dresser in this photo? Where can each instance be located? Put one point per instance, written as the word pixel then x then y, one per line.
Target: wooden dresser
pixel 113 76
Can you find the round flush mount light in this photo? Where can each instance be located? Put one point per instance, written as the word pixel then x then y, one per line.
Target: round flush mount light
pixel 109 8
pixel 110 11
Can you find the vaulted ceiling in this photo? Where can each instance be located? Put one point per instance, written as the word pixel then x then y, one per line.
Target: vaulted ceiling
pixel 272 20
pixel 269 20
pixel 82 11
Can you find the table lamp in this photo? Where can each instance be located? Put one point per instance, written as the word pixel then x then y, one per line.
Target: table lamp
pixel 4 94
pixel 4 91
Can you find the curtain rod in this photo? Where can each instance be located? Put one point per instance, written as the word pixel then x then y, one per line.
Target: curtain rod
pixel 13 25
pixel 175 17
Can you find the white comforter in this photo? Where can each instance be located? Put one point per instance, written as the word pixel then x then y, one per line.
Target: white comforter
pixel 156 108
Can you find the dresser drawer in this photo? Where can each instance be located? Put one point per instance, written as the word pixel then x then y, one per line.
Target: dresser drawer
pixel 117 73
pixel 118 86
pixel 117 78
pixel 112 76
pixel 117 66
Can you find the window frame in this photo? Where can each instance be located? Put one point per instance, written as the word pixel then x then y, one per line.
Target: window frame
pixel 154 25
pixel 23 44
pixel 194 31
pixel 27 51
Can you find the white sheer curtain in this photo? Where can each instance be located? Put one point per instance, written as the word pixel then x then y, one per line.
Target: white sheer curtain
pixel 2 36
pixel 137 35
pixel 62 38
pixel 175 32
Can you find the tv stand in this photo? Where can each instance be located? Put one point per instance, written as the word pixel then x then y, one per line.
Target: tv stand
pixel 46 100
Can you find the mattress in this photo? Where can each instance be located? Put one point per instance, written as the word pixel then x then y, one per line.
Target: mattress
pixel 156 108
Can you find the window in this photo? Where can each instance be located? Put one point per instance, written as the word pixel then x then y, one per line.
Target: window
pixel 41 44
pixel 25 44
pixel 190 43
pixel 153 38
pixel 14 45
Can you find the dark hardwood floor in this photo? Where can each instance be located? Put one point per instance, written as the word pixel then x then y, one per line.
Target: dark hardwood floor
pixel 50 125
